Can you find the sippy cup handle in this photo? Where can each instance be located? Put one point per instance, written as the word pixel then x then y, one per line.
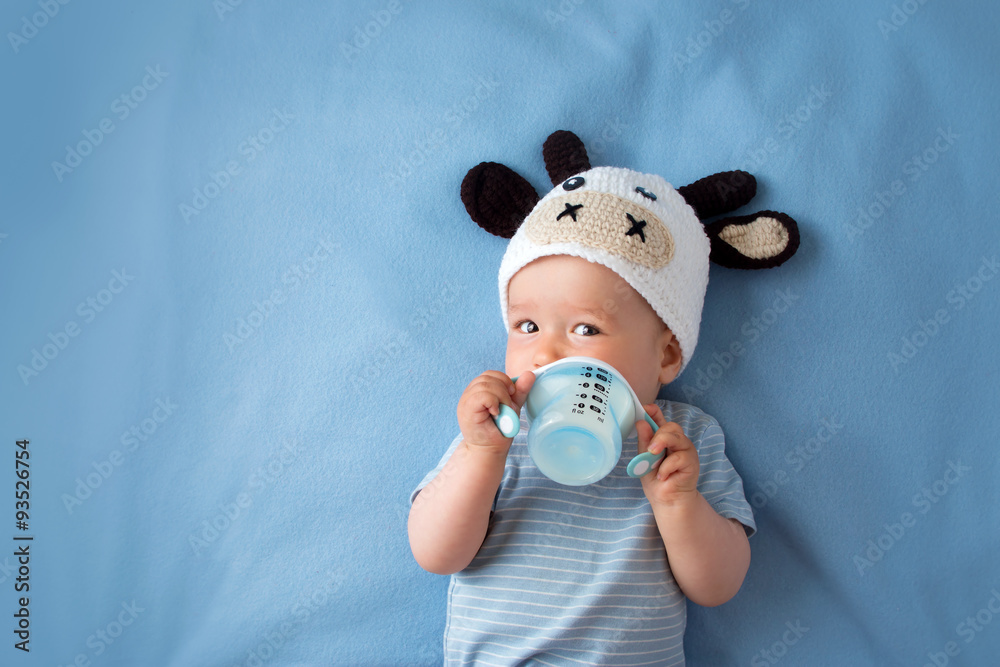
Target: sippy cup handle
pixel 508 421
pixel 644 462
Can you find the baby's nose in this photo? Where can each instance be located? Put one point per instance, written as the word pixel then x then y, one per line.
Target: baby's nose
pixel 547 351
pixel 544 359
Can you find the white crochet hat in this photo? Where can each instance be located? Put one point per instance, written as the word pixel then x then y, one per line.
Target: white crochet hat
pixel 635 224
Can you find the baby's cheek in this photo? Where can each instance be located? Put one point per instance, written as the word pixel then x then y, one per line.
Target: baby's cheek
pixel 514 359
pixel 645 386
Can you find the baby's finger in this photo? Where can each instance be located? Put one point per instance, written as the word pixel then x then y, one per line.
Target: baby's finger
pixel 483 401
pixel 668 466
pixel 489 384
pixel 492 377
pixel 670 438
pixel 653 410
pixel 646 435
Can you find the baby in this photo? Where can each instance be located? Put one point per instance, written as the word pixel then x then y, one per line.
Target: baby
pixel 592 574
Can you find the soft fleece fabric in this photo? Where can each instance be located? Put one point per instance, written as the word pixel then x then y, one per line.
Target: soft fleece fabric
pixel 313 312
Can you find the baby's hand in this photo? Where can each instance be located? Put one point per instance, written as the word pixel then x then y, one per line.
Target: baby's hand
pixel 480 403
pixel 675 478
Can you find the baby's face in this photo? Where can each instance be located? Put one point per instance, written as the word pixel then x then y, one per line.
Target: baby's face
pixel 564 306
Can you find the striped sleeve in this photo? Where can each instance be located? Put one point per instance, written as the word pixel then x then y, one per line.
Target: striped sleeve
pixel 718 481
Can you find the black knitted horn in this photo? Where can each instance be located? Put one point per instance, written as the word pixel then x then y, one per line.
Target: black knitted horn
pixel 564 156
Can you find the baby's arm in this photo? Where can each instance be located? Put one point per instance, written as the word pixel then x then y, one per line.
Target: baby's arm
pixel 449 517
pixel 709 555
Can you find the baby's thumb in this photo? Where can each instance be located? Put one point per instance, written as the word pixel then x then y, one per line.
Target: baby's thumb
pixel 521 388
pixel 645 433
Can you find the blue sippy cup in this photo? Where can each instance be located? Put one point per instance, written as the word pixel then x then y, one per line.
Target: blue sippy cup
pixel 580 409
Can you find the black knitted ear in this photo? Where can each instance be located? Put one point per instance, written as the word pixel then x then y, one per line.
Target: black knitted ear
pixel 758 241
pixel 719 193
pixel 564 155
pixel 497 198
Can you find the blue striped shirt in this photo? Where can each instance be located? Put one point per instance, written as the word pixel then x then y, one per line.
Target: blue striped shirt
pixel 578 575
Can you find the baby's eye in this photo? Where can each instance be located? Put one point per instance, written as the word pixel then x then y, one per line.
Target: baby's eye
pixel 585 330
pixel 527 327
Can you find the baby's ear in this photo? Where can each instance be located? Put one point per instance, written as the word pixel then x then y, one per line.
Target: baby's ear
pixel 672 359
pixel 756 241
pixel 497 198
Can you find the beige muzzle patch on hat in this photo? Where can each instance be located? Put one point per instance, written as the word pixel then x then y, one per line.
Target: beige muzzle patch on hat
pixel 604 221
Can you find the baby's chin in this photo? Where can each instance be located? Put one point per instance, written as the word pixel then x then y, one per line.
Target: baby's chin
pixel 648 399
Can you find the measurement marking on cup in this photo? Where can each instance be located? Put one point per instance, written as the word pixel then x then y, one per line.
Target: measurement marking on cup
pixel 596 403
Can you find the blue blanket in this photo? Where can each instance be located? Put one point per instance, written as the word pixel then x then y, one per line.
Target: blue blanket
pixel 242 296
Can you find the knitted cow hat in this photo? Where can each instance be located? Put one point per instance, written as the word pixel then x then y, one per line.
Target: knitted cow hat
pixel 635 224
